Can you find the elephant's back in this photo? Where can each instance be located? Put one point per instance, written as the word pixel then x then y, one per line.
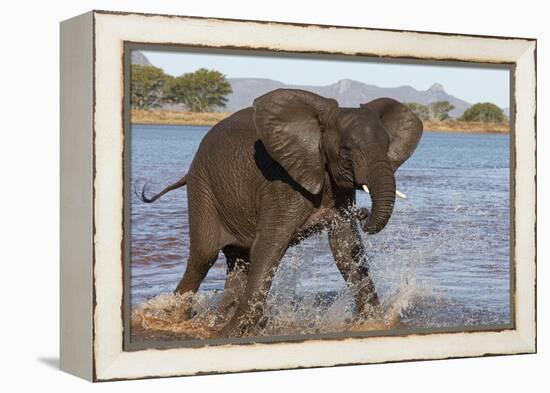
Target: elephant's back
pixel 229 144
pixel 233 132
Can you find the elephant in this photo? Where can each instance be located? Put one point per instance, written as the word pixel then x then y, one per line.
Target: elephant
pixel 272 174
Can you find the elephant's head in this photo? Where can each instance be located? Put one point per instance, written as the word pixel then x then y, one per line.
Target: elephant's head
pixel 360 147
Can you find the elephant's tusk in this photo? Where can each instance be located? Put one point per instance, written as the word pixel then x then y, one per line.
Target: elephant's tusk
pixel 397 192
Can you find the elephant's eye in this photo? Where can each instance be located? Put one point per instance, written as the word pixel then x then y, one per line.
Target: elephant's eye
pixel 344 153
pixel 345 157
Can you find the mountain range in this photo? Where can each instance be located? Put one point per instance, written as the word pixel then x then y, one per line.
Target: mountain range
pixel 347 92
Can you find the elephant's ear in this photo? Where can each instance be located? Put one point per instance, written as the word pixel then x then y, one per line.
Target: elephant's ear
pixel 402 125
pixel 289 123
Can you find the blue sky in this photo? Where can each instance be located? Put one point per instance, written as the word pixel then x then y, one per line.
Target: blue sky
pixel 467 83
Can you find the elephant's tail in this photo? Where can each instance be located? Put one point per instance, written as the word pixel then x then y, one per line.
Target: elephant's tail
pixel 180 183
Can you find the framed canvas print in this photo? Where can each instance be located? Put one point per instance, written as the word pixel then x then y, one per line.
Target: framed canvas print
pixel 248 195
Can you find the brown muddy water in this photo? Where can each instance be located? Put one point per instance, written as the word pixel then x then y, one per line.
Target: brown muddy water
pixel 443 260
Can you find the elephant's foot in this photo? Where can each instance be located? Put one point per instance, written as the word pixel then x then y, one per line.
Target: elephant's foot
pixel 376 318
pixel 241 327
pixel 386 322
pixel 366 314
pixel 223 313
pixel 234 288
pixel 185 309
pixel 234 330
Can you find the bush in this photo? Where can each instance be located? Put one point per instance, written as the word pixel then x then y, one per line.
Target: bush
pixel 422 111
pixel 439 110
pixel 484 112
pixel 147 85
pixel 200 91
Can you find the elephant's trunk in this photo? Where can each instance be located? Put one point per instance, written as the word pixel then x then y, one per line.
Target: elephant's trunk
pixel 381 186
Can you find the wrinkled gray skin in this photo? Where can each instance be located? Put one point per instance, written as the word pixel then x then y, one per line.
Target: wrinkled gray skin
pixel 270 175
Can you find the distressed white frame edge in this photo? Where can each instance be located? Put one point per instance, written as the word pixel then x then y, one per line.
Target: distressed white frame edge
pixel 111 30
pixel 76 204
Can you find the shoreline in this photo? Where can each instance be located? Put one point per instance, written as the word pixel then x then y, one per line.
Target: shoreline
pixel 145 117
pixel 466 126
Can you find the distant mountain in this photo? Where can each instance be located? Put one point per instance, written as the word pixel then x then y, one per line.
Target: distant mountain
pixel 245 90
pixel 347 92
pixel 139 58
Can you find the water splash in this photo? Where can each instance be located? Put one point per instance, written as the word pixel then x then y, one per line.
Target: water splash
pixel 297 302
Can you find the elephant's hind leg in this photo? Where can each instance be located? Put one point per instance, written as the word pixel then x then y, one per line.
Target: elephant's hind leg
pixel 198 265
pixel 205 244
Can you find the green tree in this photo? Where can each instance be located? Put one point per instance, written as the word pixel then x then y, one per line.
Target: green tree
pixel 439 110
pixel 147 85
pixel 422 111
pixel 484 112
pixel 200 91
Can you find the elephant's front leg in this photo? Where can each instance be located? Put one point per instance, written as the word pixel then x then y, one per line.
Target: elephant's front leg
pixel 238 262
pixel 265 255
pixel 264 259
pixel 351 259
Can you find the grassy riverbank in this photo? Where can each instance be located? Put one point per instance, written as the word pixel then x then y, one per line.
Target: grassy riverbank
pixel 140 116
pixel 210 118
pixel 466 126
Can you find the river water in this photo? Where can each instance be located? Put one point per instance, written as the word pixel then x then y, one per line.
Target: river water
pixel 442 261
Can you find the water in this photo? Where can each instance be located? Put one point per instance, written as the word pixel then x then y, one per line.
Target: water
pixel 442 261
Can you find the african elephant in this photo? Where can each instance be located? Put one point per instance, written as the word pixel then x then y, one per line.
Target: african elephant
pixel 269 175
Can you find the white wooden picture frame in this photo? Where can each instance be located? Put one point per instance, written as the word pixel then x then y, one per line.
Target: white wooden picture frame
pixel 92 190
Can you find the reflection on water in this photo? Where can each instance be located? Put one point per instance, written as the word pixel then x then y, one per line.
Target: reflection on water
pixel 442 261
